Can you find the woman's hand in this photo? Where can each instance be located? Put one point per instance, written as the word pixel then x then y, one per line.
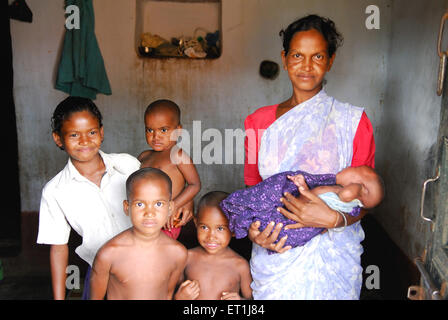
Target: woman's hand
pixel 267 237
pixel 308 210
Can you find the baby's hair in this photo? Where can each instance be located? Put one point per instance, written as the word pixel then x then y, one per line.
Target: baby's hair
pixel 71 105
pixel 164 105
pixel 147 172
pixel 324 25
pixel 211 199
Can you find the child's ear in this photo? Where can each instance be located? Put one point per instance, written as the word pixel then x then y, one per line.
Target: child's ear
pixel 170 208
pixel 102 133
pixel 57 139
pixel 126 207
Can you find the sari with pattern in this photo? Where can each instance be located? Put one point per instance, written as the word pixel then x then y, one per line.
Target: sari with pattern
pixel 315 136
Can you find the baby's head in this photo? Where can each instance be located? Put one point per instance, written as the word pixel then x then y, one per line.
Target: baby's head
pixel 361 183
pixel 72 111
pixel 212 225
pixel 162 118
pixel 148 203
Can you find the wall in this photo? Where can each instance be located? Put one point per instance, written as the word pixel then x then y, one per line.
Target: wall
pixel 409 123
pixel 220 93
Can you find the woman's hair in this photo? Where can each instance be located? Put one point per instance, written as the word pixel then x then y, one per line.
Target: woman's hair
pixel 324 25
pixel 69 106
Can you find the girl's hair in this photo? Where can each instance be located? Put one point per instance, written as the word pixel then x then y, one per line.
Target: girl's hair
pixel 324 25
pixel 69 106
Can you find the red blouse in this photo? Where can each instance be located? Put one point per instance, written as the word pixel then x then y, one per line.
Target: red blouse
pixel 363 143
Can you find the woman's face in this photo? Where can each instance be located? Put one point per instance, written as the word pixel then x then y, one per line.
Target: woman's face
pixel 307 61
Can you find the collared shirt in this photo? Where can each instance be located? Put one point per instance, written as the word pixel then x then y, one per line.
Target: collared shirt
pixel 70 200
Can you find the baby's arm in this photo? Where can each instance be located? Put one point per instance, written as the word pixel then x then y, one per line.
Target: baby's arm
pixel 100 274
pixel 191 176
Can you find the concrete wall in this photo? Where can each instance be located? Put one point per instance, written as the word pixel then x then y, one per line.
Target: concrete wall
pixel 220 93
pixel 409 122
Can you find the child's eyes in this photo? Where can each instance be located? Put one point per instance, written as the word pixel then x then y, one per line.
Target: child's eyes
pixel 164 130
pixel 139 204
pixel 93 132
pixel 159 204
pixel 319 57
pixel 221 228
pixel 149 130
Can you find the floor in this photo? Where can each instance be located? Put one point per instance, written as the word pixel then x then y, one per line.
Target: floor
pixel 395 272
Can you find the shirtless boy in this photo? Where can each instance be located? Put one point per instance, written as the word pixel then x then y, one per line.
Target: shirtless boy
pixel 214 271
pixel 162 118
pixel 141 262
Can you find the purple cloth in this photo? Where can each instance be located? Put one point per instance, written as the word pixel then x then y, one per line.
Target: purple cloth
pixel 86 290
pixel 260 203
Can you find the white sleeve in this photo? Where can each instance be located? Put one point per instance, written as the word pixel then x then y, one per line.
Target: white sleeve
pixel 53 227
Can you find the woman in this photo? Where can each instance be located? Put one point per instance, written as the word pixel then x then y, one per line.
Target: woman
pixel 315 133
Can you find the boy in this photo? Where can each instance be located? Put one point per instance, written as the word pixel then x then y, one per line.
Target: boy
pixel 162 119
pixel 213 270
pixel 141 262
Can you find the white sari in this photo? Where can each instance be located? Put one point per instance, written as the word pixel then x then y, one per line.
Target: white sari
pixel 315 136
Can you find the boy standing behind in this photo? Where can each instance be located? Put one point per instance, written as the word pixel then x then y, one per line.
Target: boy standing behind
pixel 162 118
pixel 141 262
pixel 213 270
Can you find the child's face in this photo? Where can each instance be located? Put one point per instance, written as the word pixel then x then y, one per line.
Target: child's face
pixel 307 60
pixel 159 128
pixel 364 183
pixel 81 136
pixel 212 230
pixel 149 205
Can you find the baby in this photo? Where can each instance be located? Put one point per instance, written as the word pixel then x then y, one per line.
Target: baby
pixel 141 262
pixel 162 121
pixel 345 192
pixel 213 270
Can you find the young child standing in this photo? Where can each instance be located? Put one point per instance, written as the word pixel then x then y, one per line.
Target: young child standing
pixel 141 262
pixel 162 119
pixel 87 194
pixel 213 270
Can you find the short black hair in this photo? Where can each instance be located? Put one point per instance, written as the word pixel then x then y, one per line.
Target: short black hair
pixel 70 105
pixel 164 104
pixel 211 199
pixel 324 25
pixel 143 173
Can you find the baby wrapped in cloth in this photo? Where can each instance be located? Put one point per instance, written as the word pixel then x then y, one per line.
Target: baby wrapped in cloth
pixel 260 203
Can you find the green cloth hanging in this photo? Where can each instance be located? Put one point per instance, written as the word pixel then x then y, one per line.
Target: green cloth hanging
pixel 81 70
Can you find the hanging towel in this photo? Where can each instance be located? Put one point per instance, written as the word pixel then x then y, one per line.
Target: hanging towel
pixel 81 69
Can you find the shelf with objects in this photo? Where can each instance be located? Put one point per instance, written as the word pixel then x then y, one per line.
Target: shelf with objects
pixel 178 29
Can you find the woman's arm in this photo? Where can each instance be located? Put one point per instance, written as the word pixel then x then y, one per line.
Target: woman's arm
pixel 58 263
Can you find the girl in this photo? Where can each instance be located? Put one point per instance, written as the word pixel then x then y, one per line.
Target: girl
pixel 87 195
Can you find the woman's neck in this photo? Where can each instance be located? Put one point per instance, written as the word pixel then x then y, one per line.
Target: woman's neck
pixel 296 99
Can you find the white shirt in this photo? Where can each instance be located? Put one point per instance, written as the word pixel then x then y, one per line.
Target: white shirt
pixel 70 200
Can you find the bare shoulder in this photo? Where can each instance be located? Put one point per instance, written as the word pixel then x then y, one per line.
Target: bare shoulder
pixel 238 260
pixel 175 248
pixel 181 157
pixel 114 245
pixel 144 155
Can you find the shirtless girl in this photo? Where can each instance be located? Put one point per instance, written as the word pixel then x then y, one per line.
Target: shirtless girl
pixel 213 270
